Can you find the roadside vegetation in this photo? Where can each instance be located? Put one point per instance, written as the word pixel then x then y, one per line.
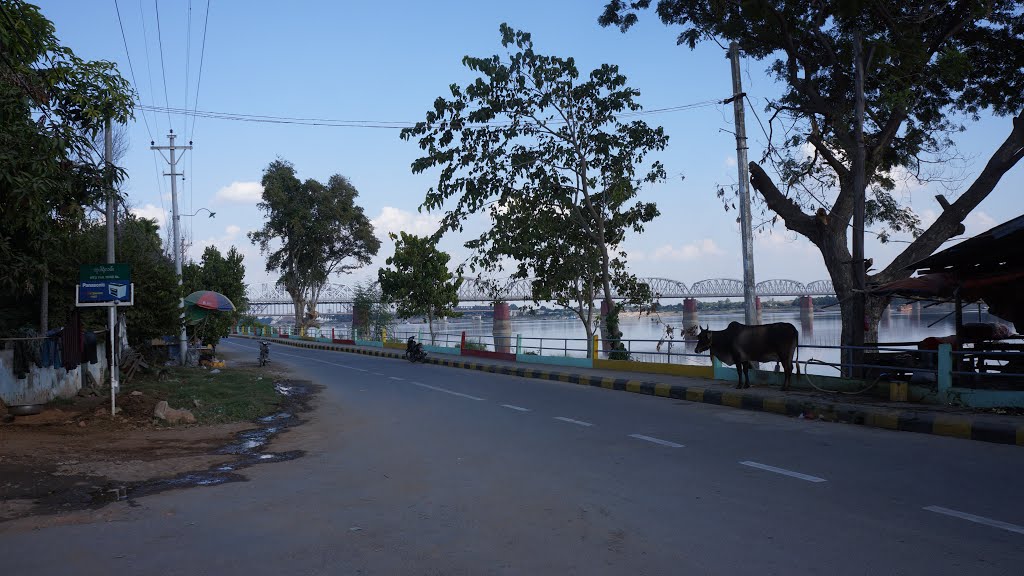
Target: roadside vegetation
pixel 232 395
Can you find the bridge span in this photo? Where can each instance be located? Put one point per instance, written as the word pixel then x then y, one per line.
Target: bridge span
pixel 270 300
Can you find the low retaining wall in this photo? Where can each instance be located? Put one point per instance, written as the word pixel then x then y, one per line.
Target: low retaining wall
pixel 370 343
pixel 488 354
pixel 453 350
pixel 42 385
pixel 555 360
pixel 657 368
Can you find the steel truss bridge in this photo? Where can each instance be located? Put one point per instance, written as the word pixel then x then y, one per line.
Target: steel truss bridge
pixel 336 299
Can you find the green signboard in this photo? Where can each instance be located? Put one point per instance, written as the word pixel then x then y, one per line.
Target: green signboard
pixel 105 273
pixel 105 285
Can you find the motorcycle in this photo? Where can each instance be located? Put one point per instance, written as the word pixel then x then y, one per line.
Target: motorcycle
pixel 414 351
pixel 264 352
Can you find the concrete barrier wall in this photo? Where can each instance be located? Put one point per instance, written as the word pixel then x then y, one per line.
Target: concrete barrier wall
pixel 657 368
pixel 453 350
pixel 42 385
pixel 555 360
pixel 371 343
pixel 488 354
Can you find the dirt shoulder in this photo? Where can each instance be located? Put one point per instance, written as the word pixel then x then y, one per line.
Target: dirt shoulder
pixel 74 455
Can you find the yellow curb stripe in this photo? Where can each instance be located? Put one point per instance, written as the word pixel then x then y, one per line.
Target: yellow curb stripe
pixel 952 426
pixel 662 389
pixel 732 399
pixel 695 394
pixel 889 421
pixel 608 383
pixel 774 405
pixel 633 386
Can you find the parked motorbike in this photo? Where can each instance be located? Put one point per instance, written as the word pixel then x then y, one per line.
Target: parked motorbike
pixel 414 351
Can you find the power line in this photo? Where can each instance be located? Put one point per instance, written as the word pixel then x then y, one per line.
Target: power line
pixel 163 69
pixel 130 67
pixel 188 61
pixel 336 123
pixel 149 68
pixel 202 56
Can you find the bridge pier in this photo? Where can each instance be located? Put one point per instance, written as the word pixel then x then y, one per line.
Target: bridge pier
pixel 690 316
pixel 502 328
pixel 806 307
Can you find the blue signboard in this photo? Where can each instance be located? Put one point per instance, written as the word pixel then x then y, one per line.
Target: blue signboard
pixel 105 284
pixel 104 291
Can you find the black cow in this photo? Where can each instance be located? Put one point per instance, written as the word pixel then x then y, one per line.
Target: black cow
pixel 740 345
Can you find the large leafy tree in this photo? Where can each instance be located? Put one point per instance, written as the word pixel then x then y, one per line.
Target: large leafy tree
pixel 530 138
pixel 220 273
pixel 312 231
pixel 420 282
pixel 155 312
pixel 52 106
pixel 929 67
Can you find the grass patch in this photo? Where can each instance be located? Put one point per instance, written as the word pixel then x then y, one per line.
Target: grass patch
pixel 475 345
pixel 234 394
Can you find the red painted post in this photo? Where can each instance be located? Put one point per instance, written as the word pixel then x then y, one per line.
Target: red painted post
pixel 463 345
pixel 332 333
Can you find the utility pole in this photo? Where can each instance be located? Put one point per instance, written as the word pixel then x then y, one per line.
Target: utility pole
pixel 859 185
pixel 175 222
pixel 749 294
pixel 108 165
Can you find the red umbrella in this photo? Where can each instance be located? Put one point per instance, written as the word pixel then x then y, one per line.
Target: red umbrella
pixel 210 300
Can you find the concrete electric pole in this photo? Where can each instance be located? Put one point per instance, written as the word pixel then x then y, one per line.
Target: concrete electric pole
pixel 175 225
pixel 749 293
pixel 108 161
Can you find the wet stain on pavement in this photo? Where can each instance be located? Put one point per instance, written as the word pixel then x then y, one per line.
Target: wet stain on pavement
pixel 248 447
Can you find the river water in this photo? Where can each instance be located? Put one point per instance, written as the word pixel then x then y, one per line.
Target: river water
pixel 566 336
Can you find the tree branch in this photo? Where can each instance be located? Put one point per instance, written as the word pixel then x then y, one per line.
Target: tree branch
pixel 777 202
pixel 1004 158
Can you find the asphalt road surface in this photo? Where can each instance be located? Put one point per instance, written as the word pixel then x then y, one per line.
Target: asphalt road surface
pixel 422 469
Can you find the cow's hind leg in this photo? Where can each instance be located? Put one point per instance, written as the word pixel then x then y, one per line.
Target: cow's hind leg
pixel 740 368
pixel 787 365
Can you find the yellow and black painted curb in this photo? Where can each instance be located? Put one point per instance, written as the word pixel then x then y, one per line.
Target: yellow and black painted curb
pixel 905 420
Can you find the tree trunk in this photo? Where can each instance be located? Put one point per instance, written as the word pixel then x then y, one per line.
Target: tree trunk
pixel 430 326
pixel 300 310
pixel 44 307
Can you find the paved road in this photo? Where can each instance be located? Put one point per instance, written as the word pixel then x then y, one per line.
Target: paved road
pixel 422 469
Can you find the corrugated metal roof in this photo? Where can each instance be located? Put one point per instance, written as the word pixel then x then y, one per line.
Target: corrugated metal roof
pixel 1000 246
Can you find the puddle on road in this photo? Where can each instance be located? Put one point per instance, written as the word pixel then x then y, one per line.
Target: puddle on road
pixel 249 447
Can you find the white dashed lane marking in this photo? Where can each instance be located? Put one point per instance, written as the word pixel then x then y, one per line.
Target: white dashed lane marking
pixel 783 471
pixel 976 519
pixel 571 421
pixel 656 441
pixel 518 408
pixel 452 392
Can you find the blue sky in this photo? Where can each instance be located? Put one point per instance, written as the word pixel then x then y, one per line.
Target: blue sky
pixel 388 62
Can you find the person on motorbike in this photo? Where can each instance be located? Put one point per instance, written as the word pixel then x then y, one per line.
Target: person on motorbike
pixel 414 350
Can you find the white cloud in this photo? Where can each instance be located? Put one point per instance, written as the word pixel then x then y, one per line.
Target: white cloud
pixel 730 161
pixel 395 220
pixel 240 193
pixel 152 212
pixel 684 253
pixel 233 230
pixel 980 221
